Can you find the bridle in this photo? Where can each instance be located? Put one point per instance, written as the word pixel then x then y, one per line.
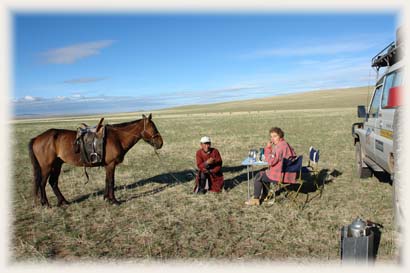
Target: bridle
pixel 145 131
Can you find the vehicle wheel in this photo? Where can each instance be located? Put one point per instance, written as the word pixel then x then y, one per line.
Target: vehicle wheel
pixel 362 172
pixel 397 175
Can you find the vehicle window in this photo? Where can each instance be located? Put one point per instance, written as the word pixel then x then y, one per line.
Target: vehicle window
pixel 374 107
pixel 398 79
pixel 392 80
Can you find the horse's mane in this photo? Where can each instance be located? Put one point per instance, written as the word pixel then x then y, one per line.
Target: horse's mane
pixel 124 124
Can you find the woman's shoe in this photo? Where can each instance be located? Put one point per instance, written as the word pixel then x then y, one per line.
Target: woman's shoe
pixel 253 202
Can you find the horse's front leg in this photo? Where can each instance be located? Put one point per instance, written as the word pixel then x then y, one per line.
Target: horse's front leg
pixel 109 183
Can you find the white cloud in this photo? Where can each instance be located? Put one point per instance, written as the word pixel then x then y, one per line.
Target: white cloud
pixel 77 96
pixel 30 98
pixel 72 53
pixel 314 50
pixel 212 92
pixel 309 73
pixel 336 73
pixel 60 98
pixel 304 75
pixel 84 105
pixel 85 80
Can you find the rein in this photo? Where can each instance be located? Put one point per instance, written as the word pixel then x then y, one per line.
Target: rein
pixel 168 171
pixel 152 136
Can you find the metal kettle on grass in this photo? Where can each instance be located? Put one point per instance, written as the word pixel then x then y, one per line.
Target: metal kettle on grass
pixel 358 228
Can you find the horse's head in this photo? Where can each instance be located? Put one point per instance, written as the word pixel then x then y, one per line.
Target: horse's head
pixel 150 132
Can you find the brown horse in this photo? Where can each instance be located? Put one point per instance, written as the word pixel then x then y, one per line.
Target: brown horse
pixel 49 150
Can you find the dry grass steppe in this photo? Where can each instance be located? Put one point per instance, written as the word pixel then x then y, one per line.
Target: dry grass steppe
pixel 161 219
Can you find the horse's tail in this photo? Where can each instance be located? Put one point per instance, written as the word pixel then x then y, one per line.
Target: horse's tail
pixel 36 169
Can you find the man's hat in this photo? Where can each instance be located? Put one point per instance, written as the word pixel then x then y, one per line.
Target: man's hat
pixel 205 139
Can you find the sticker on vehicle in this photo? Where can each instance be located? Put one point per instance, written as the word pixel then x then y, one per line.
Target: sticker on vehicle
pixel 386 133
pixel 379 145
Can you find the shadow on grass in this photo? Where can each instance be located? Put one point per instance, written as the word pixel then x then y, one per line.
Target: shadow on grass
pixel 383 177
pixel 376 229
pixel 233 169
pixel 323 177
pixel 311 183
pixel 239 179
pixel 168 179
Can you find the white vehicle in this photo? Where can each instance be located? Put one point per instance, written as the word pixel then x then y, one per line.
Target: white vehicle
pixel 378 138
pixel 373 138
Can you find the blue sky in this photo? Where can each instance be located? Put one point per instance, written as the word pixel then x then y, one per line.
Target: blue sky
pixel 70 63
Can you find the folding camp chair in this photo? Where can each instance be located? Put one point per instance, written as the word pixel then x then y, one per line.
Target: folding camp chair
pixel 312 168
pixel 292 165
pixel 295 165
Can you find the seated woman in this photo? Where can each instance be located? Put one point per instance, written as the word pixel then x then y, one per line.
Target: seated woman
pixel 209 163
pixel 274 157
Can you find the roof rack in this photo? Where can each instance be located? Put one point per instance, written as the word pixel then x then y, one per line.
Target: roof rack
pixel 387 57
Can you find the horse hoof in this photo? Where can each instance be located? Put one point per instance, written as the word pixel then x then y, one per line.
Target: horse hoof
pixel 114 202
pixel 63 203
pixel 46 205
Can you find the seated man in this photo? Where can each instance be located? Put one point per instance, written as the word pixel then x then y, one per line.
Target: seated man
pixel 209 163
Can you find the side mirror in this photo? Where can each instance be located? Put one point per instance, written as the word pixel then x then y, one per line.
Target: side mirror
pixel 361 111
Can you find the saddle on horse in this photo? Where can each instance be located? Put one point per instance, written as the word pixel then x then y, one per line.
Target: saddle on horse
pixel 90 142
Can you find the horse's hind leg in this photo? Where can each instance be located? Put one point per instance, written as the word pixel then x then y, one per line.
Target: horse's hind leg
pixel 55 173
pixel 43 197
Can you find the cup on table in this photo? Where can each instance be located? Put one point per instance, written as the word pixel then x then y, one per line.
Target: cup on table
pixel 261 154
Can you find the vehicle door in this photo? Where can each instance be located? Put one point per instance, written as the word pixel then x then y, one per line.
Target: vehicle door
pixel 370 126
pixel 384 130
